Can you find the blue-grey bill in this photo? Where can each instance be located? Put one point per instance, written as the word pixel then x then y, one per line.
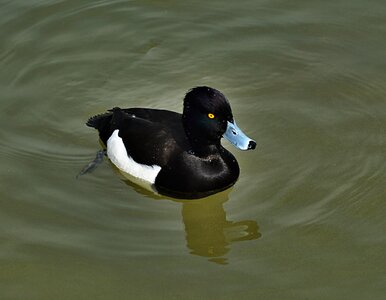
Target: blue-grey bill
pixel 237 138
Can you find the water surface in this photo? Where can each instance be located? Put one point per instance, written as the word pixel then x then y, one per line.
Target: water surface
pixel 306 220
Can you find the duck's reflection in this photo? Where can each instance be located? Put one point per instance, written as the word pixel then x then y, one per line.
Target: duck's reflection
pixel 208 232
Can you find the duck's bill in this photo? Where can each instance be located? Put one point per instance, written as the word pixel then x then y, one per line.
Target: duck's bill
pixel 237 138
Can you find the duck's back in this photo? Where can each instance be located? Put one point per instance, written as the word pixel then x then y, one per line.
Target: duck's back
pixel 150 136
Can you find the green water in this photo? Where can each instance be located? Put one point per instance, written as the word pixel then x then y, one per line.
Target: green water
pixel 307 218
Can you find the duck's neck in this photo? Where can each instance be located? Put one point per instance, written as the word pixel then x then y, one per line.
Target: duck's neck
pixel 202 144
pixel 204 150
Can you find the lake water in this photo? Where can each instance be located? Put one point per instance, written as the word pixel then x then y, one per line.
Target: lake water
pixel 307 218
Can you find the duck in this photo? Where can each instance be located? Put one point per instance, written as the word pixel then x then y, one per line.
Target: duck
pixel 178 155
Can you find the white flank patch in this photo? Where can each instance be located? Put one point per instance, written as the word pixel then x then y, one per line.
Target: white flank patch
pixel 116 151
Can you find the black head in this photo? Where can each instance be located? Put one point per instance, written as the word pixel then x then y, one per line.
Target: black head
pixel 205 116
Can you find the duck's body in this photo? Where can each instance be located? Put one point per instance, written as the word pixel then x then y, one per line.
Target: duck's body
pixel 180 155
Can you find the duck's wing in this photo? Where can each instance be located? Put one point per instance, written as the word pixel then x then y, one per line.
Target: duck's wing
pixel 162 116
pixel 169 119
pixel 146 141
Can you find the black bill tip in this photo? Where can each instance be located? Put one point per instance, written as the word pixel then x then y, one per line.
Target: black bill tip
pixel 251 145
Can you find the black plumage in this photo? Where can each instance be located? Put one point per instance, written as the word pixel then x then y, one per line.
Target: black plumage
pixel 186 146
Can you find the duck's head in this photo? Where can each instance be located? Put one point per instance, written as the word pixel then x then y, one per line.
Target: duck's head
pixel 207 116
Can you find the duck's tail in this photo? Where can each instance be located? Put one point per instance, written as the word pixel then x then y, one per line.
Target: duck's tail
pixel 99 121
pixel 107 122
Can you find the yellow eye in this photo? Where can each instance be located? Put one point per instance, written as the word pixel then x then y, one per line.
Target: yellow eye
pixel 210 116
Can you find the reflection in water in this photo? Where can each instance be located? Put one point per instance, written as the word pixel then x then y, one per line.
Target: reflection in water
pixel 209 233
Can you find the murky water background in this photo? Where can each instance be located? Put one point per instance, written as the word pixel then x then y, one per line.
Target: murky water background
pixel 307 218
